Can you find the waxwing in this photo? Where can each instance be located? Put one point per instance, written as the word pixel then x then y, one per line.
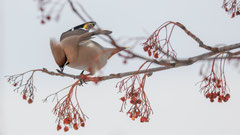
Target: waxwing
pixel 77 50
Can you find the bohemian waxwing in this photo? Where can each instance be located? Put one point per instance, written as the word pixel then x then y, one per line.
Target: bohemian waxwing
pixel 77 50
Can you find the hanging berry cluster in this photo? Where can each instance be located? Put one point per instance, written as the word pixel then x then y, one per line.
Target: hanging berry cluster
pixel 50 8
pixel 133 87
pixel 68 114
pixel 232 7
pixel 214 85
pixel 157 47
pixel 27 89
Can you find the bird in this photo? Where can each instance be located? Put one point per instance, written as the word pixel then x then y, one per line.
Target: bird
pixel 77 50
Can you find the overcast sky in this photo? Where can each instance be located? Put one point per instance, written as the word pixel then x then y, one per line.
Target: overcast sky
pixel 179 107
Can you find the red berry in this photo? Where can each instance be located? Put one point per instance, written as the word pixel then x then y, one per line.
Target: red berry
pixel 227 96
pixel 75 116
pixel 211 99
pixel 139 101
pixel 81 120
pixel 66 128
pixel 238 13
pixel 155 55
pixel 41 9
pixel 137 114
pixel 123 99
pixel 75 126
pixel 67 120
pixel 59 127
pixel 42 22
pixel 208 95
pixel 149 53
pixel 219 85
pixel 145 48
pixel 142 119
pixel 133 101
pixel 15 84
pixel 82 124
pixel 30 100
pixel 48 17
pixel 220 100
pixel 24 97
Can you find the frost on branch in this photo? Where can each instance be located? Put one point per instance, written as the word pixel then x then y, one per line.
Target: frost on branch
pixel 232 7
pixel 25 86
pixel 160 47
pixel 214 85
pixel 133 88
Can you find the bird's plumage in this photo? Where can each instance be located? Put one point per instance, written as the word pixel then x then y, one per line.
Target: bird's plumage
pixel 77 50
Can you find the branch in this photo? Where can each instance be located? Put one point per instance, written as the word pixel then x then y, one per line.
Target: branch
pixel 168 65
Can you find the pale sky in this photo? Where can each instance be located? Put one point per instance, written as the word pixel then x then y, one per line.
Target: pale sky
pixel 178 106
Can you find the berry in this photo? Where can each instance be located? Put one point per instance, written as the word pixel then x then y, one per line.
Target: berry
pixel 82 124
pixel 30 100
pixel 75 126
pixel 67 120
pixel 66 129
pixel 149 53
pixel 142 119
pixel 133 101
pixel 15 84
pixel 48 17
pixel 81 120
pixel 59 127
pixel 123 99
pixel 145 48
pixel 211 99
pixel 139 101
pixel 24 97
pixel 42 22
pixel 155 55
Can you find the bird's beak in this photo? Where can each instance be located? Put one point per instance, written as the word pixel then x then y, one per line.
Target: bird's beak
pixel 116 50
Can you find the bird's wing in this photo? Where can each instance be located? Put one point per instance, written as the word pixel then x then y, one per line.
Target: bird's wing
pixel 78 30
pixel 72 33
pixel 58 53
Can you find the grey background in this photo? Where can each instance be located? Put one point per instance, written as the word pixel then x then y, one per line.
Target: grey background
pixel 179 108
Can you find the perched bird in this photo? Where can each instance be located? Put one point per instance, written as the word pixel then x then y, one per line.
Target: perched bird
pixel 77 50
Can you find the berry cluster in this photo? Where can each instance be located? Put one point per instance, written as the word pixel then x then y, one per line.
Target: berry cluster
pixel 134 89
pixel 159 46
pixel 220 97
pixel 215 88
pixel 69 114
pixel 137 109
pixel 75 122
pixel 149 49
pixel 44 18
pixel 232 7
pixel 27 89
pixel 28 97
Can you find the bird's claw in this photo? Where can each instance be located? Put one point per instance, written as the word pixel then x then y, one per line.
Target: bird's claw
pixel 82 79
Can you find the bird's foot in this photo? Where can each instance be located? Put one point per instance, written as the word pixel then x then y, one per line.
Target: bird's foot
pixel 82 79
